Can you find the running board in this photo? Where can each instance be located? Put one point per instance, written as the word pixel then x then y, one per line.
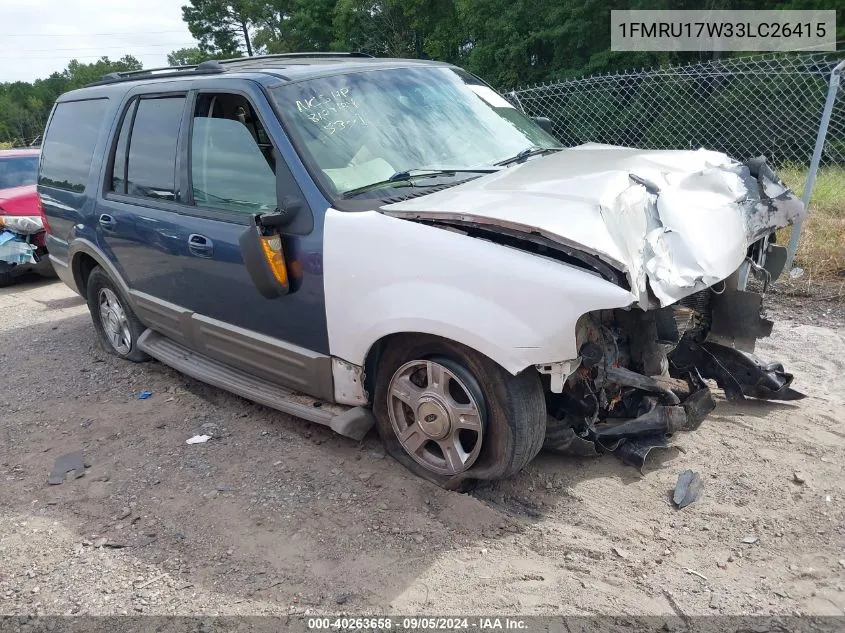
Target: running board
pixel 351 422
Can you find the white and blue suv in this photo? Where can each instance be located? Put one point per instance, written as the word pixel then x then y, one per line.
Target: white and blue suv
pixel 382 242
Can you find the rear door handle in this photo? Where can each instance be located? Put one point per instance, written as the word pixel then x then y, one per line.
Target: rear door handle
pixel 200 245
pixel 106 221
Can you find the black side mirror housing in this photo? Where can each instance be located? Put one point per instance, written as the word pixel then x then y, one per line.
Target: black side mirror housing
pixel 545 123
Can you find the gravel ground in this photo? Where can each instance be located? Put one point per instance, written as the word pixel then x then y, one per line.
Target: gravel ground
pixel 276 516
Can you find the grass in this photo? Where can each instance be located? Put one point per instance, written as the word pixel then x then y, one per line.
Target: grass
pixel 821 250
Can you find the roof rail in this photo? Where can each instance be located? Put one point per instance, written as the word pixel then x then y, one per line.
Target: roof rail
pixel 214 66
pixel 203 68
pixel 305 55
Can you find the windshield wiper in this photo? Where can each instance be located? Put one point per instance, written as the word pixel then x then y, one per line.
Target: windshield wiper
pixel 528 152
pixel 405 178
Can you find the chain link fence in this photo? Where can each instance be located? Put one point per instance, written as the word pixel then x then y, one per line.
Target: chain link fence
pixel 746 107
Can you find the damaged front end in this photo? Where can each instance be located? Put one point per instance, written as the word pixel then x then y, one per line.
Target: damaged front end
pixel 641 376
pixel 22 244
pixel 682 232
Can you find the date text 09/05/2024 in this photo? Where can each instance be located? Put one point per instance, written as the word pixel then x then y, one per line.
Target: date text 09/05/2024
pixel 415 624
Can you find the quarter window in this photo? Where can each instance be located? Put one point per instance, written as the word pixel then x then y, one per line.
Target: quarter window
pixel 69 144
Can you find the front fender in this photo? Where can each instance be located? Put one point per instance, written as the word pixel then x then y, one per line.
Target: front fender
pixel 386 275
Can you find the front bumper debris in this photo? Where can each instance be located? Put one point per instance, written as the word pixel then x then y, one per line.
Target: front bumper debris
pixel 17 249
pixel 642 375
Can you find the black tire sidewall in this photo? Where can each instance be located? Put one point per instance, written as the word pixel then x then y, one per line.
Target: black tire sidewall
pixel 510 425
pixel 97 280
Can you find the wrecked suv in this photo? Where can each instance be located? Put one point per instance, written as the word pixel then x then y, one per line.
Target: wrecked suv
pixel 368 242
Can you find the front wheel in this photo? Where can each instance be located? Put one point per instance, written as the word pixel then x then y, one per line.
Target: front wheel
pixel 117 326
pixel 452 415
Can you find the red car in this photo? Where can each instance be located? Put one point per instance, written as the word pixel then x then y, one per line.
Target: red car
pixel 22 243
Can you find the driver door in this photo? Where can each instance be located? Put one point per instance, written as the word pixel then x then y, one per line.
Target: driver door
pixel 230 167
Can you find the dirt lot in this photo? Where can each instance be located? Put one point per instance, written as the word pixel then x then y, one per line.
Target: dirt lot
pixel 275 516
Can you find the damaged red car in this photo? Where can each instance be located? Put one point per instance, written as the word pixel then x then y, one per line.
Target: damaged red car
pixel 22 243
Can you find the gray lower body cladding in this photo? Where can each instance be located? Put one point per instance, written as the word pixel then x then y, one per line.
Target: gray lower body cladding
pixel 643 374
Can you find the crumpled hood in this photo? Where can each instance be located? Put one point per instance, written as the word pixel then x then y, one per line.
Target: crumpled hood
pixel 674 221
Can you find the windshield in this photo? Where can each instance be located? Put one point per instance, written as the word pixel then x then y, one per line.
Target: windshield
pixel 18 171
pixel 362 128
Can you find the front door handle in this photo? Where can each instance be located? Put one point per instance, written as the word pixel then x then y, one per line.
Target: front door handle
pixel 107 221
pixel 200 245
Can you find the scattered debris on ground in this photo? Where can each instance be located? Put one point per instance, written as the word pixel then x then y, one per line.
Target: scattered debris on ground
pixel 198 439
pixel 688 489
pixel 70 465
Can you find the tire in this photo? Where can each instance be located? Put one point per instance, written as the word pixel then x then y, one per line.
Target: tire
pixel 512 410
pixel 103 292
pixel 6 279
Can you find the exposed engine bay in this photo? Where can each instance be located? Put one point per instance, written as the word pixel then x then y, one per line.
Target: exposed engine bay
pixel 642 374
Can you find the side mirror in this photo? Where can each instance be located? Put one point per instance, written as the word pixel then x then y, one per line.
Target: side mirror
pixel 545 123
pixel 264 257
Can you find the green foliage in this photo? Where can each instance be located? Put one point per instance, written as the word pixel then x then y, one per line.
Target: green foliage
pixel 509 43
pixel 220 26
pixel 24 107
pixel 192 56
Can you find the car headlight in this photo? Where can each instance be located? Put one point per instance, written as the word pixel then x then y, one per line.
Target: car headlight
pixel 22 224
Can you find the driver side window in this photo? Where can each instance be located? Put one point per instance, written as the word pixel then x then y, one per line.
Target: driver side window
pixel 232 164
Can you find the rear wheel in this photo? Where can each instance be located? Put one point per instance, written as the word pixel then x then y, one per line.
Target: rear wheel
pixel 117 326
pixel 452 415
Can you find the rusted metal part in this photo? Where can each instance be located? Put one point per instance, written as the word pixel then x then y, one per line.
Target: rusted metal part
pixel 629 378
pixel 660 420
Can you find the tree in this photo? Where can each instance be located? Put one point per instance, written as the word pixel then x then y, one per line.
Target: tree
pixel 78 74
pixel 222 27
pixel 191 57
pixel 24 107
pixel 295 25
pixel 398 28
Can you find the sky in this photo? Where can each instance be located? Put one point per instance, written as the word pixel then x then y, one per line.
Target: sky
pixel 38 37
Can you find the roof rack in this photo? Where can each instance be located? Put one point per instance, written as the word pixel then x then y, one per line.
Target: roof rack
pixel 306 55
pixel 214 66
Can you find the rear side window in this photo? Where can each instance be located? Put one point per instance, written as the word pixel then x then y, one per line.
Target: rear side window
pixel 146 148
pixel 68 147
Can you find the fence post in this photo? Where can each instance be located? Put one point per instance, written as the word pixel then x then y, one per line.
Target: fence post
pixel 833 88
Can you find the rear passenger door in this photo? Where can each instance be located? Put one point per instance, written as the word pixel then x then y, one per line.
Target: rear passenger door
pixel 138 221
